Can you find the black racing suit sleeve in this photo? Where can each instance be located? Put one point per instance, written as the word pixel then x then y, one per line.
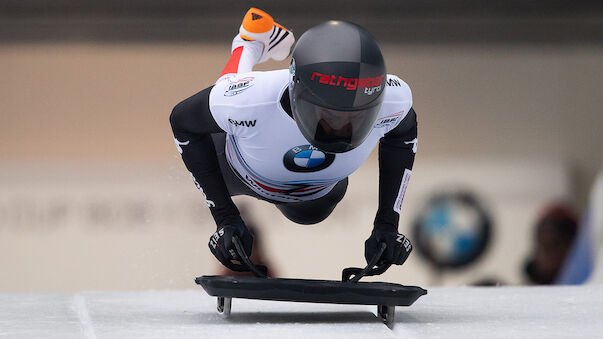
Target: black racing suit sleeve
pixel 396 153
pixel 192 124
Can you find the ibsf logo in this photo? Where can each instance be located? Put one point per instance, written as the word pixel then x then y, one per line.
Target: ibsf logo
pixel 237 86
pixel 388 120
pixel 307 158
pixel 385 122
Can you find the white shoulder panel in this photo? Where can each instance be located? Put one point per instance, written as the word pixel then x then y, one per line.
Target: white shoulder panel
pixel 397 90
pixel 396 104
pixel 238 99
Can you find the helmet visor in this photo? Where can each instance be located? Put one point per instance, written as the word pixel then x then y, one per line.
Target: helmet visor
pixel 332 130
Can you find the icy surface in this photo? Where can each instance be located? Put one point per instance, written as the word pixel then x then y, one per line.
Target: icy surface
pixel 504 312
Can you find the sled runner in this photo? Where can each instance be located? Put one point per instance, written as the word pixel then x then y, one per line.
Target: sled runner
pixel 386 296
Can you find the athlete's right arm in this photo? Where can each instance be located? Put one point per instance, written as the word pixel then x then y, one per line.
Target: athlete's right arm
pixel 192 125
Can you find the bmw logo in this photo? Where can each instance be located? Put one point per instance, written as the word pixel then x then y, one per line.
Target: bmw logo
pixel 307 158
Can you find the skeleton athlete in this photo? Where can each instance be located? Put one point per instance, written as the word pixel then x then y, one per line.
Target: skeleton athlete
pixel 292 137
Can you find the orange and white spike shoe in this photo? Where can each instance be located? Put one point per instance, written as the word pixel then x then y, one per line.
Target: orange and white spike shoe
pixel 259 26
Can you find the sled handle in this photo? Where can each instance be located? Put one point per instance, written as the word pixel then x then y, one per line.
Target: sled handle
pixel 358 273
pixel 259 271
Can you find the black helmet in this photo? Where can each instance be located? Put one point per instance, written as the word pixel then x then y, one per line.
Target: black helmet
pixel 336 86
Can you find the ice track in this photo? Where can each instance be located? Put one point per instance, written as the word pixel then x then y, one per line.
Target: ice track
pixel 503 312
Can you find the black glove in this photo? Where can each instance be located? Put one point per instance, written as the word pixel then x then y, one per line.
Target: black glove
pixel 221 245
pixel 397 251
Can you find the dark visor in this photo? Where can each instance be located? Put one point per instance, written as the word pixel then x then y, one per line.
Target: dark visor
pixel 332 130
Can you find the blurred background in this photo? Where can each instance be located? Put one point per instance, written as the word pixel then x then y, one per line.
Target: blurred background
pixel 93 194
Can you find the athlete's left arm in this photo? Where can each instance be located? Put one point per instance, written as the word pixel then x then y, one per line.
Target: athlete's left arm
pixel 397 151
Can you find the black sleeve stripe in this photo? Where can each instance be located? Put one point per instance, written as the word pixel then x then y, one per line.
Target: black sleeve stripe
pixel 279 41
pixel 276 36
pixel 273 30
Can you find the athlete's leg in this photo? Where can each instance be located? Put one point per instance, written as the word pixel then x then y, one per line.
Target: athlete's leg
pixel 314 211
pixel 260 38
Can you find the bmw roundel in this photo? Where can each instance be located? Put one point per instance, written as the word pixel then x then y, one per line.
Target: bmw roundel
pixel 307 158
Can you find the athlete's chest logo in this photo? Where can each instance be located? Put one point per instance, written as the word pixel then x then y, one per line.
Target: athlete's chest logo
pixel 307 158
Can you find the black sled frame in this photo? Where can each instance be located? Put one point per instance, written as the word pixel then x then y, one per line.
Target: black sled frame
pixel 386 296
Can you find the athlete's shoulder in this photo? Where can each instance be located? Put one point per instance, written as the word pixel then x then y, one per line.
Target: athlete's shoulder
pixel 240 101
pixel 397 90
pixel 396 104
pixel 248 89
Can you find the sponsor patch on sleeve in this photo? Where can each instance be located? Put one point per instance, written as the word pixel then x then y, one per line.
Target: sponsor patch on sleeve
pixel 402 190
pixel 388 120
pixel 237 86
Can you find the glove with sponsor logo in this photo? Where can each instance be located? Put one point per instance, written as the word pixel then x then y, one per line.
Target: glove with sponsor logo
pixel 397 251
pixel 223 248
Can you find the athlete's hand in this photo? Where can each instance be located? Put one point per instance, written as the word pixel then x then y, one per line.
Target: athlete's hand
pixel 397 251
pixel 221 245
